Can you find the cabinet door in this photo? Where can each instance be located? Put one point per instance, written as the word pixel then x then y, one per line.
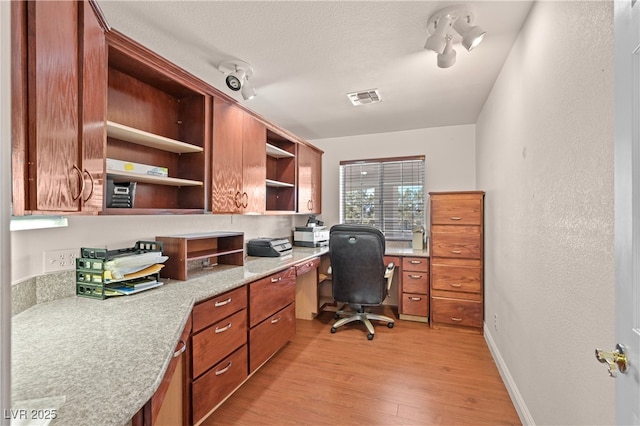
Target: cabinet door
pixel 94 109
pixel 55 178
pixel 227 158
pixel 309 180
pixel 254 154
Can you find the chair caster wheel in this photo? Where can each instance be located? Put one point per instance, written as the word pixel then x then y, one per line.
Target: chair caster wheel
pixel 390 325
pixel 370 336
pixel 336 316
pixel 333 330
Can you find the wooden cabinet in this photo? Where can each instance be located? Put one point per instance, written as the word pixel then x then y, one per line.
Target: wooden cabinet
pixel 238 161
pixel 157 115
pixel 271 315
pixel 307 292
pixel 219 363
pixel 60 69
pixel 280 173
pixel 309 180
pixel 414 292
pixel 457 255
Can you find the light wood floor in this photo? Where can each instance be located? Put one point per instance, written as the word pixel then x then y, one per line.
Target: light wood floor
pixel 407 375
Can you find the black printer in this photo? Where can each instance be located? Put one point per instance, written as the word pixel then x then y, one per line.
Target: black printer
pixel 269 247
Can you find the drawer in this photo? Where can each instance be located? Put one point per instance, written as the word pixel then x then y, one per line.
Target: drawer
pixel 415 304
pixel 213 387
pixel 270 294
pixel 456 275
pixel 456 311
pixel 310 265
pixel 213 310
pixel 215 342
pixel 466 243
pixel 415 282
pixel 456 210
pixel 420 264
pixel 270 335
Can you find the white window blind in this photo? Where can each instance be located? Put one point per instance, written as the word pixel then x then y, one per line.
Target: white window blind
pixel 385 193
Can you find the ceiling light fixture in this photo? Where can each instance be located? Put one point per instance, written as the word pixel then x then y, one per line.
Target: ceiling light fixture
pixel 237 77
pixel 440 33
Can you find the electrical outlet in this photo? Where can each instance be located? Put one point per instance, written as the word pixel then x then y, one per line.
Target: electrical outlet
pixel 60 260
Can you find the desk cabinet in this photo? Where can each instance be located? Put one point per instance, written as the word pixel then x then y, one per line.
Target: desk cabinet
pixel 414 294
pixel 457 253
pixel 219 342
pixel 271 315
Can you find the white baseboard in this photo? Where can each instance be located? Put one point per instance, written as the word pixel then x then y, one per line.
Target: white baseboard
pixel 516 397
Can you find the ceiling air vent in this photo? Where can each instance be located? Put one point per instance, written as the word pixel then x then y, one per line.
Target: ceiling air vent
pixel 370 96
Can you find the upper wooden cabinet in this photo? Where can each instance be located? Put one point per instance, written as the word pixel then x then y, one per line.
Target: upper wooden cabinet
pixel 59 67
pixel 281 173
pixel 237 161
pixel 309 180
pixel 157 116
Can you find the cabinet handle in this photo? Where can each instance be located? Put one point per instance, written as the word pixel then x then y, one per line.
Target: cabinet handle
pixel 456 285
pixel 275 280
pixel 456 218
pixel 223 329
pixel 456 251
pixel 416 299
pixel 224 370
pixel 177 353
pixel 236 199
pixel 456 319
pixel 310 205
pixel 222 303
pixel 92 186
pixel 415 277
pixel 81 178
pixel 245 203
pixel 276 320
pixel 415 262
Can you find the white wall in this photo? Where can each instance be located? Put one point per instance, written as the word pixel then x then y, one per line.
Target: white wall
pixel 116 232
pixel 449 159
pixel 545 158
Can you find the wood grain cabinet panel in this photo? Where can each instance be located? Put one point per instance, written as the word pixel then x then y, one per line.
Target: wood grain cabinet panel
pixel 219 307
pixel 414 294
pixel 309 180
pixel 457 259
pixel 270 335
pixel 270 294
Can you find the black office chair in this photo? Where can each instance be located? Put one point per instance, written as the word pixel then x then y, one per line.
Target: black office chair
pixel 359 275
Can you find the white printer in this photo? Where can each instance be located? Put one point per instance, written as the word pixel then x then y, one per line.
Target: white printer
pixel 311 236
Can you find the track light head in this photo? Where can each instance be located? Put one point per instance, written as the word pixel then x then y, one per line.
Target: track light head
pixel 237 77
pixel 441 35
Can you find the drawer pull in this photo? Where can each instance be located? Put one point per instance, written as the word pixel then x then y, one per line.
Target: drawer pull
pixel 224 370
pixel 276 320
pixel 223 329
pixel 416 299
pixel 456 285
pixel 415 277
pixel 456 319
pixel 456 218
pixel 177 353
pixel 275 280
pixel 222 303
pixel 456 251
pixel 415 262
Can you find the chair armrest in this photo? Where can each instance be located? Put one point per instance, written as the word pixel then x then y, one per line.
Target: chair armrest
pixel 388 274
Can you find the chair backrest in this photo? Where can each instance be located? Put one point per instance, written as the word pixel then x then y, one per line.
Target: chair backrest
pixel 357 264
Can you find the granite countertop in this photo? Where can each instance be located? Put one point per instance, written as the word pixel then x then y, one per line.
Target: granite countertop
pixel 91 362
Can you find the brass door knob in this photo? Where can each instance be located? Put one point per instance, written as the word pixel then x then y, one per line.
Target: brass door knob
pixel 616 360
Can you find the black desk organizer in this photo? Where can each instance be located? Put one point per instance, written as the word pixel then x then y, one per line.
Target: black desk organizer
pixel 90 267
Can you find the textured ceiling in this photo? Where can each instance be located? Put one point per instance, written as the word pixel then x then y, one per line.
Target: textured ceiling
pixel 308 54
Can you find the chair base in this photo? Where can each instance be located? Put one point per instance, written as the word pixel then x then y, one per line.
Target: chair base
pixel 363 317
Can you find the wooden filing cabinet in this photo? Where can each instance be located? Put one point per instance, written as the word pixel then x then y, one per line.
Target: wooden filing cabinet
pixel 272 316
pixel 457 259
pixel 414 293
pixel 220 355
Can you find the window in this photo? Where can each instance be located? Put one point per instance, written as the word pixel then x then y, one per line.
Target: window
pixel 386 193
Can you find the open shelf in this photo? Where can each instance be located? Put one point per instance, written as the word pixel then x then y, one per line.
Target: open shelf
pixel 225 248
pixel 120 176
pixel 275 152
pixel 277 184
pixel 140 137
